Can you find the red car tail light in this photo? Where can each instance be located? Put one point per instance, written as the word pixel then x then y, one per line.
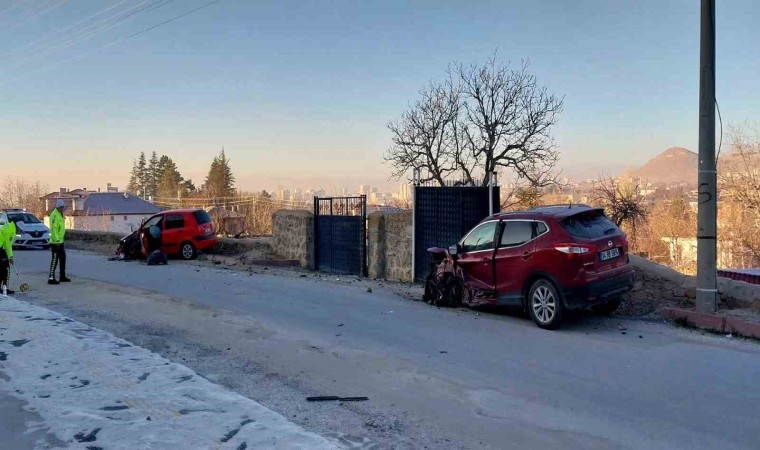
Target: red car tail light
pixel 206 229
pixel 574 249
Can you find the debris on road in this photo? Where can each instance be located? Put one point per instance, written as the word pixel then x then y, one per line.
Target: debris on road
pixel 157 258
pixel 333 398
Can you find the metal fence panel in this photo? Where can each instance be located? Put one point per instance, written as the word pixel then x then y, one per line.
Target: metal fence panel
pixel 442 215
pixel 340 235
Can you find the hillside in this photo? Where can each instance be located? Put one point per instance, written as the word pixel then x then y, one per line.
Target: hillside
pixel 674 165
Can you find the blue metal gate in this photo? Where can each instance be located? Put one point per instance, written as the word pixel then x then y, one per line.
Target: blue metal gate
pixel 340 233
pixel 443 214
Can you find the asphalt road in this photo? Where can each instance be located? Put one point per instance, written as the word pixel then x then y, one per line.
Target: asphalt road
pixel 436 378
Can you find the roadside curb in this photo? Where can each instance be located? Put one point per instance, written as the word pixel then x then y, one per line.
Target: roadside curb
pixel 713 322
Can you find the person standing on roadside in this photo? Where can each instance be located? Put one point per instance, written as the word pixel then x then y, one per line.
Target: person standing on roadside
pixel 57 233
pixel 7 236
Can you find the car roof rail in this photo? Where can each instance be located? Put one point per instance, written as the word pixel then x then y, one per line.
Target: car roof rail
pixel 563 205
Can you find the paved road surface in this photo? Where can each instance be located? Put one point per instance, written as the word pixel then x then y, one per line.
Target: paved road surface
pixel 436 378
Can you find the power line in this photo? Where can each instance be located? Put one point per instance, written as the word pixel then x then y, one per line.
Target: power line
pixel 118 41
pixel 12 7
pixel 164 22
pixel 55 33
pixel 94 29
pixel 72 36
pixel 57 4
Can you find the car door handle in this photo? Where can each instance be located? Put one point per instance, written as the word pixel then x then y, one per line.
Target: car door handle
pixel 526 255
pixel 486 260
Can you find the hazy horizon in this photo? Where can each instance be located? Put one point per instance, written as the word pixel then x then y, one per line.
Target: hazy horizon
pixel 300 95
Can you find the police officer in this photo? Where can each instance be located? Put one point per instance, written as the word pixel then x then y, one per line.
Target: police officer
pixel 57 233
pixel 7 236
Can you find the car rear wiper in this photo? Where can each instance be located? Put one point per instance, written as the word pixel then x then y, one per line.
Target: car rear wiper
pixel 607 231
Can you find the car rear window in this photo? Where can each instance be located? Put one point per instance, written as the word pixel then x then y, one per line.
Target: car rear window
pixel 589 225
pixel 201 217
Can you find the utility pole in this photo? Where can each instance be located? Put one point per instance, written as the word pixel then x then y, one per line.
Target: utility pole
pixel 707 278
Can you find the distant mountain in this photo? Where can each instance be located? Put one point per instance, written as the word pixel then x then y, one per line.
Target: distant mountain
pixel 674 165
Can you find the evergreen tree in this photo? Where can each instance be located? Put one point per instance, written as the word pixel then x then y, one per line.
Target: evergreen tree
pixel 152 177
pixel 170 181
pixel 142 176
pixel 162 162
pixel 188 187
pixel 220 182
pixel 134 180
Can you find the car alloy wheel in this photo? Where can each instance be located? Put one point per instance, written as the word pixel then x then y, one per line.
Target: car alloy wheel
pixel 544 304
pixel 188 252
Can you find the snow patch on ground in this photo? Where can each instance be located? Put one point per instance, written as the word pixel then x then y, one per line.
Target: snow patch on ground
pixel 94 390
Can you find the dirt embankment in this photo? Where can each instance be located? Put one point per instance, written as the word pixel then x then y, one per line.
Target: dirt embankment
pixel 104 243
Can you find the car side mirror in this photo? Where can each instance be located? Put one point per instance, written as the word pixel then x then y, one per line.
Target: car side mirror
pixel 455 250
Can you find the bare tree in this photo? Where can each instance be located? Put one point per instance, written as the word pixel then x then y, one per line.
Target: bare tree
pixel 20 193
pixel 673 223
pixel 423 138
pixel 740 191
pixel 740 169
pixel 483 119
pixel 623 201
pixel 508 119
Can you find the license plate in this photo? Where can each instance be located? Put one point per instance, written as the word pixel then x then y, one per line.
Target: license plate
pixel 609 254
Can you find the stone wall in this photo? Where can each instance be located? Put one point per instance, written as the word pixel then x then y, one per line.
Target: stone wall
pixel 389 249
pixel 659 287
pixel 293 236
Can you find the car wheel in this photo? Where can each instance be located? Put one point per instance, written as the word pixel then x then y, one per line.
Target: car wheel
pixel 545 305
pixel 188 251
pixel 453 293
pixel 606 308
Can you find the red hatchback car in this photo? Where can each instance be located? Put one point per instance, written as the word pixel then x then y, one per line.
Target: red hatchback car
pixel 546 260
pixel 184 232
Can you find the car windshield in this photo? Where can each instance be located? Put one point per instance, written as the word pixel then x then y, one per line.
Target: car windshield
pixel 589 225
pixel 23 217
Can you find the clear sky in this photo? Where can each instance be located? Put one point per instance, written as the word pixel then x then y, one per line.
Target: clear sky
pixel 299 92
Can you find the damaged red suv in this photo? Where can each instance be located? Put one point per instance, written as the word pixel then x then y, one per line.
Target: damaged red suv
pixel 547 260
